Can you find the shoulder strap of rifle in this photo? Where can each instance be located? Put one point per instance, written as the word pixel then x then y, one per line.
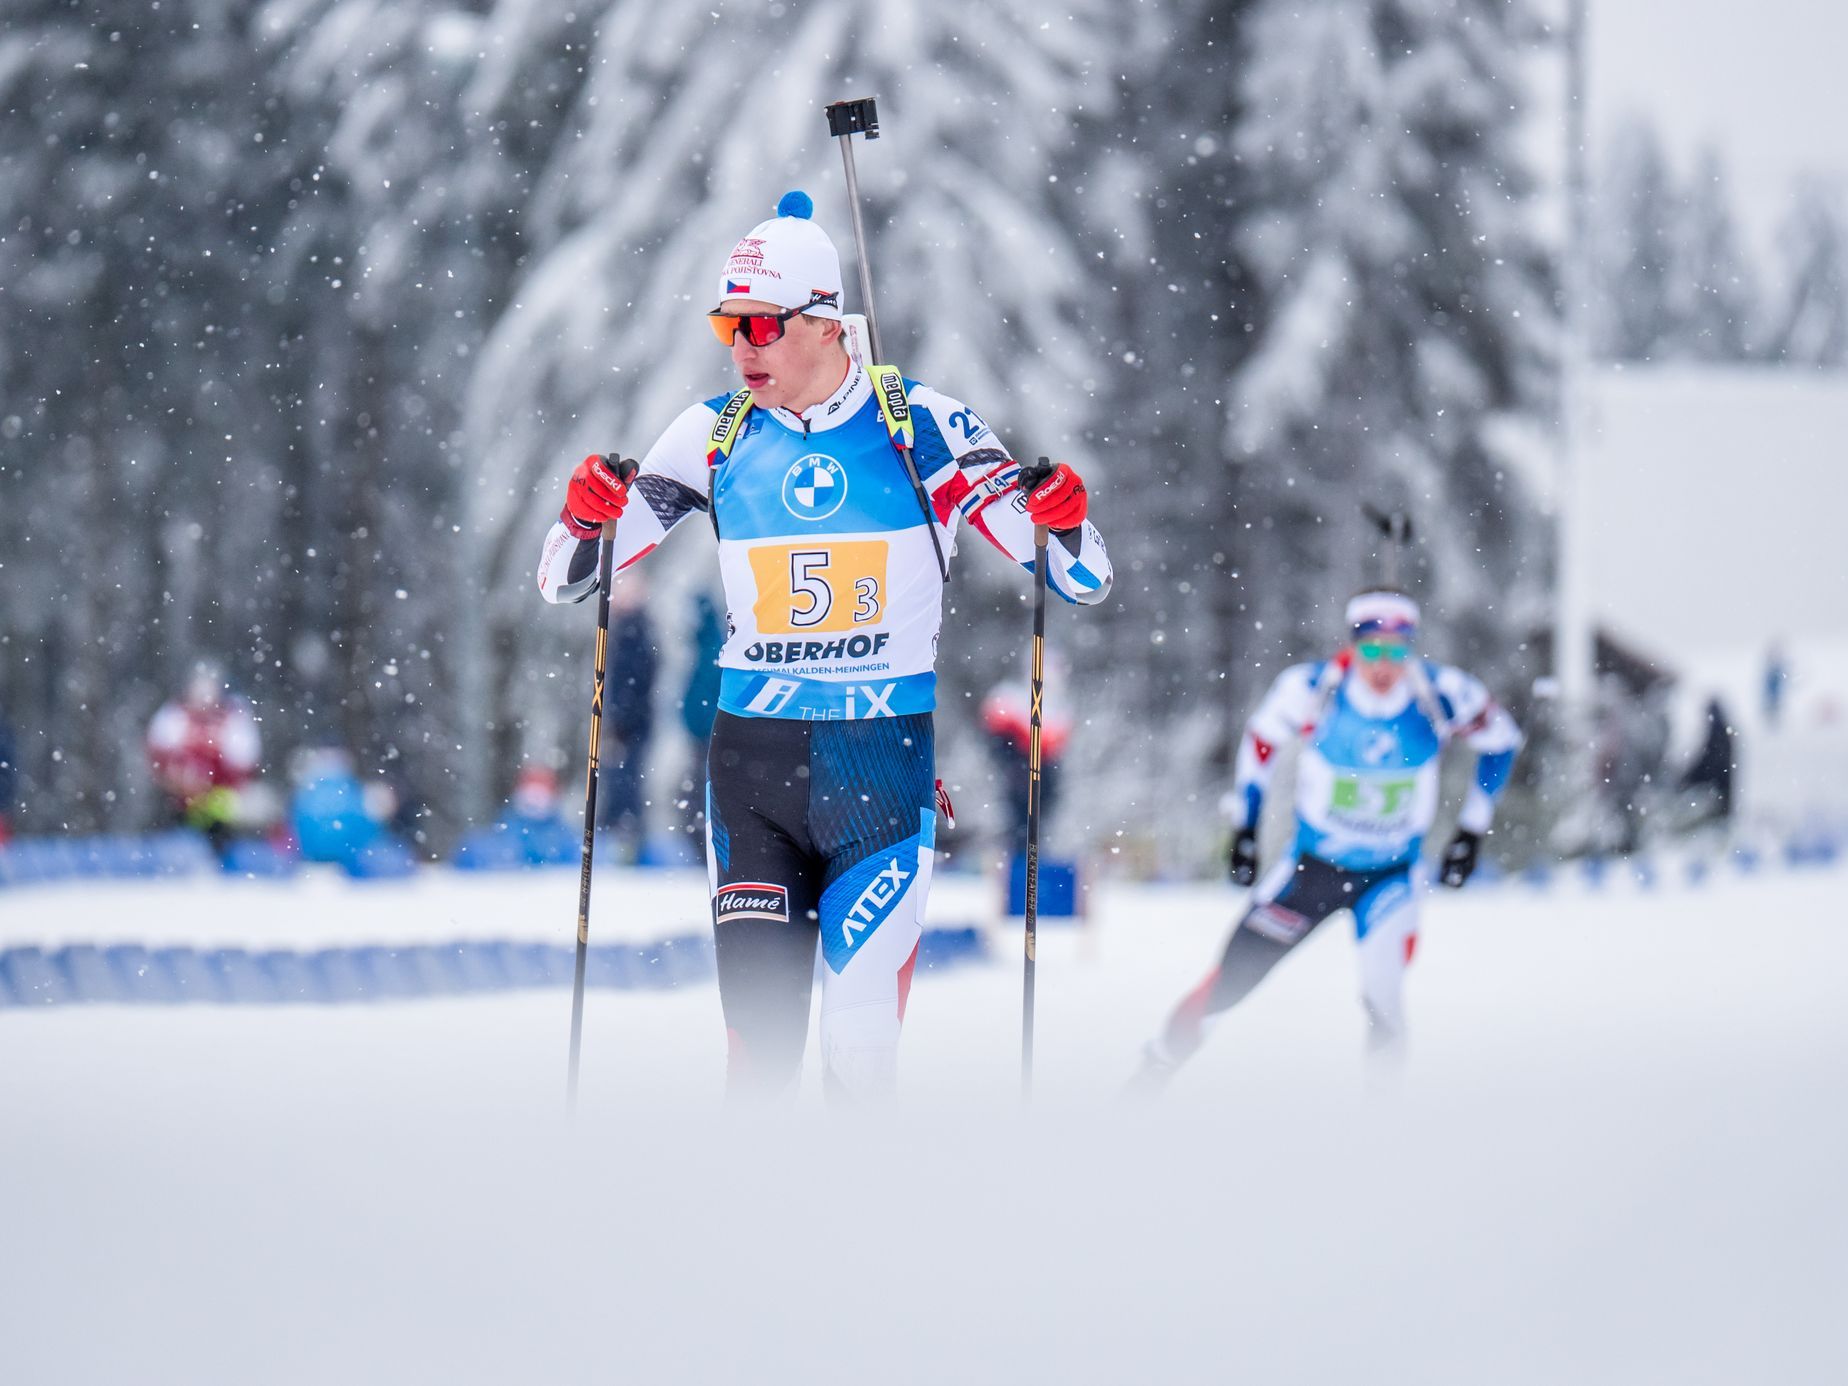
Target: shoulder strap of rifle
pixel 726 430
pixel 894 407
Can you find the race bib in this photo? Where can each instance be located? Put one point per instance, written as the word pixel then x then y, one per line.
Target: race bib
pixel 1372 798
pixel 819 587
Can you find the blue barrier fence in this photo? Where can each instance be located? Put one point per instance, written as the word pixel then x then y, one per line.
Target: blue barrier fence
pixel 1800 851
pixel 121 856
pixel 117 856
pixel 136 975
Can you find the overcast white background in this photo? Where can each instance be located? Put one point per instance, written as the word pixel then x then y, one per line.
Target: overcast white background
pixel 1762 81
pixel 1728 479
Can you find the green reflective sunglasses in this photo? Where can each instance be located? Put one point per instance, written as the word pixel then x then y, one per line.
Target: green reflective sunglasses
pixel 1394 650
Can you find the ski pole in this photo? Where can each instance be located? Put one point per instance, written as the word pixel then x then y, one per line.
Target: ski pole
pixel 1035 696
pixel 626 470
pixel 845 120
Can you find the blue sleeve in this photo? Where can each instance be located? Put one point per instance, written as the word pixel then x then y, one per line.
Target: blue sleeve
pixel 1254 805
pixel 1492 771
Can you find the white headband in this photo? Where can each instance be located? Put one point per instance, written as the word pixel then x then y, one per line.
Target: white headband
pixel 1388 611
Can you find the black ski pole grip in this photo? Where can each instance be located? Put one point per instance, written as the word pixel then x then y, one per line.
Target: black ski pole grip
pixel 857 117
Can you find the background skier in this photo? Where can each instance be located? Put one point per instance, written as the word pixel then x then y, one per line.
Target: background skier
pixel 1373 721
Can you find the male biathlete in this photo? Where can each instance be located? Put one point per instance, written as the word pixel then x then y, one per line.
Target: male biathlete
pixel 1374 721
pixel 821 800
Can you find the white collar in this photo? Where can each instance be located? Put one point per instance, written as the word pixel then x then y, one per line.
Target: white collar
pixel 836 409
pixel 1378 706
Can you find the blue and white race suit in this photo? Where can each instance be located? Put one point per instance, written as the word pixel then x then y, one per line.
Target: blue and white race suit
pixel 1366 795
pixel 1366 780
pixel 834 608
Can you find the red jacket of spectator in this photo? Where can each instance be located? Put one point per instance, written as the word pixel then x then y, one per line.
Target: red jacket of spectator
pixel 1006 714
pixel 195 745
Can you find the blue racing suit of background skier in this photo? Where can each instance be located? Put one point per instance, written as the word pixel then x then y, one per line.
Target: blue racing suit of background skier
pixel 1372 723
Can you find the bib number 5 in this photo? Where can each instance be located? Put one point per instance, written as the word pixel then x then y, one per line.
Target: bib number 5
pixel 806 584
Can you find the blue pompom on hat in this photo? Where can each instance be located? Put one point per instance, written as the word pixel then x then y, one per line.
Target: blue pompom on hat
pixel 788 261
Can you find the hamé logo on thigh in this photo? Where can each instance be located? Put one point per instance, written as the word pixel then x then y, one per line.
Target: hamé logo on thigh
pixel 751 900
pixel 1278 923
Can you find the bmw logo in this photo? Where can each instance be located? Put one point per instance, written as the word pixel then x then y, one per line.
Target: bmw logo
pixel 814 487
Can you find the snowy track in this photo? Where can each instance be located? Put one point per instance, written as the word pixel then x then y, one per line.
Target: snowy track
pixel 1614 1156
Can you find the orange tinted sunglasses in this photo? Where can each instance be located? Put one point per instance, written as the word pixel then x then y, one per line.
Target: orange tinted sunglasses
pixel 760 329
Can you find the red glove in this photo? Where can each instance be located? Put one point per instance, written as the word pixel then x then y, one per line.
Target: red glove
pixel 598 491
pixel 1055 495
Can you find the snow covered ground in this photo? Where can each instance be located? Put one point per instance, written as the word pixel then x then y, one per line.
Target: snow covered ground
pixel 1614 1155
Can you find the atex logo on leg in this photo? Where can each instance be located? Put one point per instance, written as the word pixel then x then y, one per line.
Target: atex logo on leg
pixel 876 893
pixel 875 901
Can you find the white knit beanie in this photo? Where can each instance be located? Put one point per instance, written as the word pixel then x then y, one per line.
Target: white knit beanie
pixel 788 261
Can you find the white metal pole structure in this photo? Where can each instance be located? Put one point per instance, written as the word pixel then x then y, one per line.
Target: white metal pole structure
pixel 1573 633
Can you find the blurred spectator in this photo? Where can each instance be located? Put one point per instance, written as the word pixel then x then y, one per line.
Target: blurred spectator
pixel 535 796
pixel 328 810
pixel 535 818
pixel 699 706
pixel 9 779
pixel 339 819
pixel 1777 680
pixel 628 714
pixel 203 748
pixel 1006 718
pixel 1707 786
pixel 1631 750
pixel 531 831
